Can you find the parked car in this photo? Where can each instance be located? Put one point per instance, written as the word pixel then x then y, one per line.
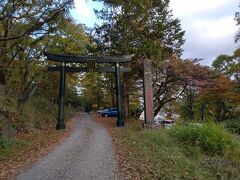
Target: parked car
pixel 101 110
pixel 168 124
pixel 109 112
pixel 159 118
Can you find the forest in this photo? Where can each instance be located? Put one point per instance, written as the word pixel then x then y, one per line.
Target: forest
pixel 147 29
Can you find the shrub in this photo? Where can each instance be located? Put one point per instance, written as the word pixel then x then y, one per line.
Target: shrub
pixel 211 137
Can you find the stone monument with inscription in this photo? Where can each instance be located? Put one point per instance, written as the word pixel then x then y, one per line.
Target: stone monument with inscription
pixel 148 93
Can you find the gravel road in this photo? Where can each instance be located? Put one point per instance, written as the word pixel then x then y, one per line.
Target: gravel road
pixel 87 154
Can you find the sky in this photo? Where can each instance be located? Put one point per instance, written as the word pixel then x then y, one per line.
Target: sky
pixel 208 24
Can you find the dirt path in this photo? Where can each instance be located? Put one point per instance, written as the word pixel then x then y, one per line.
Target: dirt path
pixel 86 154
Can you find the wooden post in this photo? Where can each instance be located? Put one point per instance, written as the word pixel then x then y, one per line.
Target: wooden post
pixel 148 92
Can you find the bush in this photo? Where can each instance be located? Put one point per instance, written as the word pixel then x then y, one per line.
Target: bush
pixel 233 126
pixel 211 137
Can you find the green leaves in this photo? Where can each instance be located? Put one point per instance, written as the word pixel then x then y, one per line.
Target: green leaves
pixel 69 38
pixel 228 64
pixel 94 90
pixel 145 28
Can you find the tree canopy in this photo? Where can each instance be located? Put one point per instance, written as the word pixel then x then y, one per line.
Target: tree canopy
pixel 146 29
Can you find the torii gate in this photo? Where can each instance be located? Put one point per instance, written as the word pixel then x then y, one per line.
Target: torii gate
pixel 91 61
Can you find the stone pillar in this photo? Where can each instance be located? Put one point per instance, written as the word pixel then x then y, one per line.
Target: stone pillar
pixel 148 92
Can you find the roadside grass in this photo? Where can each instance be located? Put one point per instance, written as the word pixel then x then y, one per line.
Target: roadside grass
pixel 26 143
pixel 181 153
pixel 10 145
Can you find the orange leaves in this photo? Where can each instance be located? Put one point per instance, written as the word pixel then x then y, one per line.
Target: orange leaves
pixel 220 88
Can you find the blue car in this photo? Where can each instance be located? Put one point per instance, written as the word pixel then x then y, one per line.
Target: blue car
pixel 109 112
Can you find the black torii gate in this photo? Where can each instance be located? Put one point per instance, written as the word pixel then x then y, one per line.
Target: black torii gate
pixel 91 61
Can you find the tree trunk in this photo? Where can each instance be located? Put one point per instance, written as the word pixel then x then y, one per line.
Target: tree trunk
pixel 112 94
pixel 3 59
pixel 26 93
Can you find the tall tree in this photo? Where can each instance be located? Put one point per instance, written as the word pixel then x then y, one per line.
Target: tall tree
pixel 145 28
pixel 26 23
pixel 174 76
pixel 187 103
pixel 220 97
pixel 229 65
pixel 27 72
pixel 93 90
pixel 69 38
pixel 227 91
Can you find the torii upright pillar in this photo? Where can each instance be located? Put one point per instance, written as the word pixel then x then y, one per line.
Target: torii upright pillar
pixel 60 122
pixel 120 121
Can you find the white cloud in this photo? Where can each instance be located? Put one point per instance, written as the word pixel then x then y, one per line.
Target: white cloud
pixel 83 11
pixel 186 7
pixel 208 39
pixel 214 28
pixel 209 26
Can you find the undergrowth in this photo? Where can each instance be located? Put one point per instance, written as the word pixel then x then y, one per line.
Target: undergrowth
pixel 8 145
pixel 181 153
pixel 210 138
pixel 36 114
pixel 233 126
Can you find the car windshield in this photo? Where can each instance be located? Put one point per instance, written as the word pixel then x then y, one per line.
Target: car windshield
pixel 168 122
